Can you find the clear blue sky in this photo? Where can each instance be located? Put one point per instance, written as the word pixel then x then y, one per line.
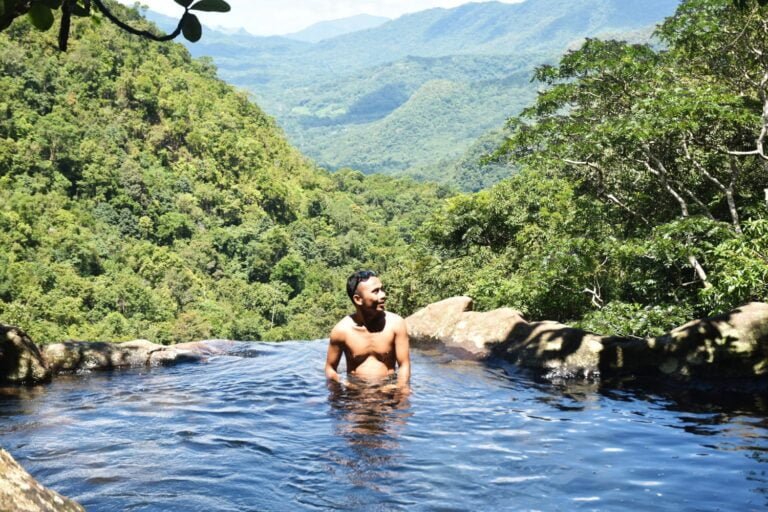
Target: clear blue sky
pixel 269 17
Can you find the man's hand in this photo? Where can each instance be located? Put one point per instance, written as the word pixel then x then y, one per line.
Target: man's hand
pixel 332 374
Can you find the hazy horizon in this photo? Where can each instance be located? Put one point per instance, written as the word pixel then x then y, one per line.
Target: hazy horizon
pixel 271 17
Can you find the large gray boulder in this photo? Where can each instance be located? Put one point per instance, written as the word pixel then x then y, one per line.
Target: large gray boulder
pixel 559 349
pixel 542 345
pixel 73 356
pixel 21 361
pixel 479 333
pixel 733 345
pixel 19 492
pixel 435 322
pixel 730 345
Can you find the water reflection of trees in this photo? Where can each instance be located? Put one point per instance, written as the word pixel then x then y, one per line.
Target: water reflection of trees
pixel 370 417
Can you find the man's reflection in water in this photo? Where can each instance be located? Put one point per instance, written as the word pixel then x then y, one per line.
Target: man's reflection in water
pixel 370 416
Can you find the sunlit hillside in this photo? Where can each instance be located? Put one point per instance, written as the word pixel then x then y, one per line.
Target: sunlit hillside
pixel 340 98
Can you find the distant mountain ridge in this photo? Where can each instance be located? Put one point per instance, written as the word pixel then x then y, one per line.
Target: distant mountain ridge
pixel 422 88
pixel 334 28
pixel 493 28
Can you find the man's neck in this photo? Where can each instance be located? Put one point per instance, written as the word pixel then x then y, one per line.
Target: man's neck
pixel 372 320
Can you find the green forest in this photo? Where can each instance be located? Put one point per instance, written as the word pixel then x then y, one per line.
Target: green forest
pixel 145 198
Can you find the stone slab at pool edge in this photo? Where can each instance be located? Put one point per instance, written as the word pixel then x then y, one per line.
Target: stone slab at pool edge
pixel 732 345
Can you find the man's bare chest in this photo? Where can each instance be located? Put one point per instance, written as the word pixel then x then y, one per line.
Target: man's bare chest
pixel 370 344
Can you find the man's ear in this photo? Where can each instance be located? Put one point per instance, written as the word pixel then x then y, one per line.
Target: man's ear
pixel 358 300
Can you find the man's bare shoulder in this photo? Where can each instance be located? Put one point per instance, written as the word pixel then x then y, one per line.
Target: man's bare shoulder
pixel 340 330
pixel 394 320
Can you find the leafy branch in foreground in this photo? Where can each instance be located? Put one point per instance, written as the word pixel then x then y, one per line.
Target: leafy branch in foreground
pixel 41 14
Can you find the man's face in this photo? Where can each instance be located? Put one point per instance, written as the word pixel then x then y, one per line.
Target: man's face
pixel 370 294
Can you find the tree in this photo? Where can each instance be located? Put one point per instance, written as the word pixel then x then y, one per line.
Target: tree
pixel 639 201
pixel 41 13
pixel 744 4
pixel 636 125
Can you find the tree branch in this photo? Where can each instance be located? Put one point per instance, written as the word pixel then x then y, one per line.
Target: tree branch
pixel 760 141
pixel 661 173
pixel 612 198
pixel 144 33
pixel 699 271
pixel 601 192
pixel 696 200
pixel 64 24
pixel 726 190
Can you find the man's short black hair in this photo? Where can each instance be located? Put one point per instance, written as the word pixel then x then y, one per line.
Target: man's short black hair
pixel 357 278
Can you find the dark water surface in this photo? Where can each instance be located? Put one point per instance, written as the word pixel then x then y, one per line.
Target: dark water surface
pixel 260 430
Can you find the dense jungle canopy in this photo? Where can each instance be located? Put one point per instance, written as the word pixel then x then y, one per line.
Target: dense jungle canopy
pixel 142 197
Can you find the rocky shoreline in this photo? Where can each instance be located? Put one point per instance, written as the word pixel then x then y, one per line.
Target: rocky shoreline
pixel 732 345
pixel 20 492
pixel 22 362
pixel 727 348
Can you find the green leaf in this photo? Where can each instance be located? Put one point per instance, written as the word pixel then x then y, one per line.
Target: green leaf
pixel 211 6
pixel 184 3
pixel 191 28
pixel 41 16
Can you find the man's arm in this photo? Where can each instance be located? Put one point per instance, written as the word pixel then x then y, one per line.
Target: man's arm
pixel 333 358
pixel 403 354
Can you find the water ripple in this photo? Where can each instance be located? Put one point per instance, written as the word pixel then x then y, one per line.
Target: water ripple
pixel 259 429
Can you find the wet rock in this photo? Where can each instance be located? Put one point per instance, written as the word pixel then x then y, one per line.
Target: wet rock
pixel 73 356
pixel 435 322
pixel 730 345
pixel 540 345
pixel 480 332
pixel 733 345
pixel 21 361
pixel 557 348
pixel 19 492
pixel 205 348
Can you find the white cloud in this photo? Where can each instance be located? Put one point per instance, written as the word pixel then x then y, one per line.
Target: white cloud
pixel 268 17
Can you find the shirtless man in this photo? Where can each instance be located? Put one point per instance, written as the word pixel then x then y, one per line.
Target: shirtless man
pixel 372 339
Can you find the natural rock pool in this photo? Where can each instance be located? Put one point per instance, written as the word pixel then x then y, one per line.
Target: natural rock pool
pixel 259 429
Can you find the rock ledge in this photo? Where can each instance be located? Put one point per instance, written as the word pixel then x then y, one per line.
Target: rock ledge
pixel 733 345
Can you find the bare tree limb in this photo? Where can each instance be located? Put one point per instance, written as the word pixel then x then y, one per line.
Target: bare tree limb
pixel 611 197
pixel 661 173
pixel 696 200
pixel 144 33
pixel 699 271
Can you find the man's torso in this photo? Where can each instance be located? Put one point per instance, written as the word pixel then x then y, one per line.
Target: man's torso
pixel 370 353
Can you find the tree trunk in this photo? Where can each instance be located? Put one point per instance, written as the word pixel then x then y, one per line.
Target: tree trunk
pixel 699 271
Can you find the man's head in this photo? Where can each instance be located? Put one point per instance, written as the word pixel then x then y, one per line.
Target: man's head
pixel 365 290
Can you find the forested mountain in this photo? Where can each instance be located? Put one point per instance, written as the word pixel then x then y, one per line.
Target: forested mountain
pixel 334 28
pixel 142 197
pixel 422 88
